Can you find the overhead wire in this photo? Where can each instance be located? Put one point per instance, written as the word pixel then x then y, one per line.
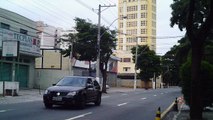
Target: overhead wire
pixel 28 26
pixel 35 4
pixel 93 10
pixel 31 12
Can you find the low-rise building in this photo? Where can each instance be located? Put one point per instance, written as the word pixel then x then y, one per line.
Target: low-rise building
pixel 19 46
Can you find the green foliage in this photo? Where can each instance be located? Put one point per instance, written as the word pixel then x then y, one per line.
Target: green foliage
pixel 180 9
pixel 206 82
pixel 85 44
pixel 148 62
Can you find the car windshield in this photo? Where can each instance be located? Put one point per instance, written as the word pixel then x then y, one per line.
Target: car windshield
pixel 72 81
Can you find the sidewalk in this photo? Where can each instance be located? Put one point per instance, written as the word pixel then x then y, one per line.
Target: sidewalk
pixel 183 113
pixel 28 95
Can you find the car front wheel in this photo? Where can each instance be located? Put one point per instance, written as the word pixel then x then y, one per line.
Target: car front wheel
pixel 48 105
pixel 98 100
pixel 82 103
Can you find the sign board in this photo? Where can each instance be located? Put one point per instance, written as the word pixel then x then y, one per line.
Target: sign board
pixel 10 48
pixel 28 44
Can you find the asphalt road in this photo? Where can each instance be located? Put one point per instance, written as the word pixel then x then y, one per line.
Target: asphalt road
pixel 134 105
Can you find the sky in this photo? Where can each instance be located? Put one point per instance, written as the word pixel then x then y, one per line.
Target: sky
pixel 61 13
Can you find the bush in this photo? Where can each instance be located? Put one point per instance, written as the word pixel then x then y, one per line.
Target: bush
pixel 206 82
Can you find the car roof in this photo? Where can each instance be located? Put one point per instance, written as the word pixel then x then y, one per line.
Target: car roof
pixel 81 76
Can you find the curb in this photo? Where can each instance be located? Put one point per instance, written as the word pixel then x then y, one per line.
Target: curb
pixel 167 110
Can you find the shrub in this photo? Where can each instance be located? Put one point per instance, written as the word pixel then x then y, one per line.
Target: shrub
pixel 206 82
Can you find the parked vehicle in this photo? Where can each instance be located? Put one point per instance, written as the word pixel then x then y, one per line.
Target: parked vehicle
pixel 73 90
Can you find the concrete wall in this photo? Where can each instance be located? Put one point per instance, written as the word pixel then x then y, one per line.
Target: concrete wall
pixel 130 83
pixel 1 88
pixel 45 78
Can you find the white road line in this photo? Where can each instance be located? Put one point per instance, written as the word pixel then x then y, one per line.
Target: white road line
pixel 105 97
pixel 124 94
pixel 79 116
pixel 161 93
pixel 121 104
pixel 154 95
pixel 144 98
pixel 1 111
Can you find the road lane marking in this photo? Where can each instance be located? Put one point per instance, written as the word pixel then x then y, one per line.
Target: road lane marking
pixel 124 94
pixel 154 95
pixel 1 111
pixel 161 93
pixel 79 116
pixel 121 104
pixel 144 98
pixel 105 97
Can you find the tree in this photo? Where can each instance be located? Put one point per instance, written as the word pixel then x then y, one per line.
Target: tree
pixel 196 16
pixel 107 44
pixel 148 63
pixel 207 82
pixel 85 45
pixel 173 59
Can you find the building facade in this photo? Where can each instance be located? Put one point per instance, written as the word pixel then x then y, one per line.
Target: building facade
pixel 19 46
pixel 136 26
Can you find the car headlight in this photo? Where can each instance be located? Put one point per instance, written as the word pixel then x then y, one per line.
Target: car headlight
pixel 46 92
pixel 72 93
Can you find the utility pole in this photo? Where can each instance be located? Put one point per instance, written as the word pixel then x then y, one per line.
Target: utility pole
pixel 98 41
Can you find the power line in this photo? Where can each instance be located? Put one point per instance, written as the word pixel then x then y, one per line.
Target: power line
pixel 35 4
pixel 93 10
pixel 31 12
pixel 26 25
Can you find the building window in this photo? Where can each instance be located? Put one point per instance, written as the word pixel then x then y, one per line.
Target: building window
pixel 153 32
pixel 144 23
pixel 132 16
pixel 23 31
pixel 154 1
pixel 120 40
pixel 5 26
pixel 126 60
pixel 131 39
pixel 154 24
pixel 132 24
pixel 143 7
pixel 144 15
pixel 121 25
pixel 131 32
pixel 143 31
pixel 129 47
pixel 132 8
pixel 126 69
pixel 154 16
pixel 153 8
pixel 143 39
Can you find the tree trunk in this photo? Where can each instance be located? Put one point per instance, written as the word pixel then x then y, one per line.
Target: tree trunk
pixel 104 82
pixel 104 75
pixel 146 85
pixel 196 96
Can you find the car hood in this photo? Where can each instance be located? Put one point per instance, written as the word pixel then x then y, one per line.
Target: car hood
pixel 64 88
